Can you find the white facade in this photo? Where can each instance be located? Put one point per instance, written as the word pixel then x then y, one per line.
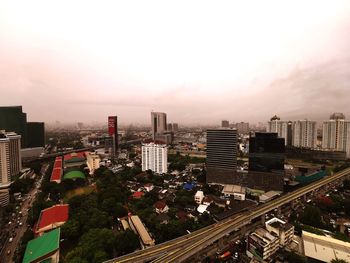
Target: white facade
pixel 262 244
pixel 10 162
pixel 93 162
pixel 283 230
pixel 280 127
pixel 155 158
pixel 304 134
pixel 198 197
pixel 336 135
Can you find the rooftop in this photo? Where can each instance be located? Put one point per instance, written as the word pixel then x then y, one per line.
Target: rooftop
pixel 74 175
pixel 42 246
pixel 52 215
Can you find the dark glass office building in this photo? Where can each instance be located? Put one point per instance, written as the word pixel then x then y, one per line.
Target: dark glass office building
pixel 13 119
pixel 221 156
pixel 266 152
pixel 36 134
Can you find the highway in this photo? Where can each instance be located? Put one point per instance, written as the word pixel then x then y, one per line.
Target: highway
pixel 182 248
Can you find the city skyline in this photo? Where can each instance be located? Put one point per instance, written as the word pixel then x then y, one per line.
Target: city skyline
pixel 127 61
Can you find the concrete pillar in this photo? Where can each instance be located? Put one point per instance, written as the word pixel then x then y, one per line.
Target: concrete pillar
pixel 304 198
pixel 292 204
pixel 263 219
pixel 243 230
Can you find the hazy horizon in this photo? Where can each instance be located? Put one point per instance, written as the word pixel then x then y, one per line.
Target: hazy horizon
pixel 198 61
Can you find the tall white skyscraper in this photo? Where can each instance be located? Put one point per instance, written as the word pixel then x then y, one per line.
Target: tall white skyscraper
pixel 336 134
pixel 282 128
pixel 159 123
pixel 304 134
pixel 10 162
pixel 155 157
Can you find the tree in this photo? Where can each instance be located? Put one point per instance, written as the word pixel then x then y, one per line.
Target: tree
pixel 312 216
pixel 71 229
pixel 126 242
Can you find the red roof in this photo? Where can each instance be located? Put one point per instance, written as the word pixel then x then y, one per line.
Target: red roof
pixel 74 155
pixel 52 215
pixel 56 174
pixel 137 194
pixel 160 205
pixel 58 164
pixel 153 141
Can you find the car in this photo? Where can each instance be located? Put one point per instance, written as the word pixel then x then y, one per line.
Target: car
pixel 9 252
pixel 10 239
pixel 20 223
pixel 10 222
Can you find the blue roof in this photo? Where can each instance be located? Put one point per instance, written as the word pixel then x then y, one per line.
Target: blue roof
pixel 189 186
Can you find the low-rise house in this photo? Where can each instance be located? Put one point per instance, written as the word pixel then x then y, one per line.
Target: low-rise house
pixel 198 197
pixel 149 187
pixel 137 195
pixel 207 200
pixel 237 191
pixel 262 244
pixel 44 248
pixel 161 207
pixel 51 218
pixel 283 230
pixel 202 208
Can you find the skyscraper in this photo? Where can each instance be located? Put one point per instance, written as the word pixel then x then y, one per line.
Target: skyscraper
pixel 12 118
pixel 282 128
pixel 159 123
pixel 10 162
pixel 113 132
pixel 336 134
pixel 266 152
pixel 242 127
pixel 225 124
pixel 36 134
pixel 221 156
pixel 304 134
pixel 175 127
pixel 155 157
pixel 169 127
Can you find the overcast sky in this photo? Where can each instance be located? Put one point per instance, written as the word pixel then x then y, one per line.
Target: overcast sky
pixel 199 61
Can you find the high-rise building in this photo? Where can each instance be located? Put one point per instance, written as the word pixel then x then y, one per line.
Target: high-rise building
pixel 266 152
pixel 221 156
pixel 242 127
pixel 159 123
pixel 169 127
pixel 113 133
pixel 225 124
pixel 336 134
pixel 175 127
pixel 36 134
pixel 289 139
pixel 10 162
pixel 282 128
pixel 304 134
pixel 155 157
pixel 12 118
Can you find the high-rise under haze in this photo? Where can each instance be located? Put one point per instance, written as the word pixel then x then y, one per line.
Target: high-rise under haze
pixel 10 162
pixel 113 133
pixel 282 128
pixel 12 118
pixel 304 134
pixel 159 124
pixel 221 155
pixel 336 134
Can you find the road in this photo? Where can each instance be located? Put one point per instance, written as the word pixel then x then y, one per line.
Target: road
pixel 16 230
pixel 184 247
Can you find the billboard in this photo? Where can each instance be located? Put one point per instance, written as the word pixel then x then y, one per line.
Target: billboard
pixel 111 125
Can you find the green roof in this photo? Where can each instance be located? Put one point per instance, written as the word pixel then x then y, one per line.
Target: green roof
pixel 41 246
pixel 74 175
